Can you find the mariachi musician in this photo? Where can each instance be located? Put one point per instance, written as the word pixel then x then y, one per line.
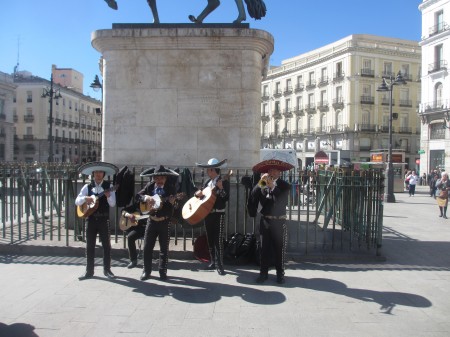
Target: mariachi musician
pixel 159 196
pixel 100 194
pixel 134 233
pixel 215 220
pixel 272 194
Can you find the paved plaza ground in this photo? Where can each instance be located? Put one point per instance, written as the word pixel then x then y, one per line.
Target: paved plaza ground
pixel 407 295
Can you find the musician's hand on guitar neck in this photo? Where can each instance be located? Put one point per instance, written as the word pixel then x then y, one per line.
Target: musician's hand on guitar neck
pixel 198 194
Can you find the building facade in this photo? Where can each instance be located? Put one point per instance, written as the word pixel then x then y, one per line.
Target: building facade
pixel 434 111
pixel 75 124
pixel 327 100
pixel 7 88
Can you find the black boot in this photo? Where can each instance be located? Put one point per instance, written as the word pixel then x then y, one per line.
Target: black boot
pixel 212 263
pixel 86 275
pixel 132 264
pixel 262 278
pixel 445 213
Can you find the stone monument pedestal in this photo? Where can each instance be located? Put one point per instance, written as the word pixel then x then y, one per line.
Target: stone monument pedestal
pixel 179 94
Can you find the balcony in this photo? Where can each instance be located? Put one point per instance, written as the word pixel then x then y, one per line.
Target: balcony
pixel 287 112
pixel 58 139
pixel 383 128
pixel 57 121
pixel 437 66
pixel 321 130
pixel 277 93
pixel 265 117
pixel 367 127
pixel 338 77
pixel 15 118
pixel 298 110
pixel 265 96
pixel 70 124
pixel 338 103
pixel 83 126
pixel 89 127
pixel 276 114
pixel 310 108
pixel 405 129
pixel 299 87
pixel 365 72
pixel 341 127
pixel 436 29
pixel 28 118
pixel 406 103
pixel 64 122
pixel 323 81
pixel 287 91
pixel 388 74
pixel 310 84
pixel 28 137
pixel 436 106
pixel 323 106
pixel 385 101
pixel 77 125
pixel 407 77
pixel 367 99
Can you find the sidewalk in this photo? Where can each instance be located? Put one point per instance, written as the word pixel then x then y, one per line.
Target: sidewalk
pixel 408 295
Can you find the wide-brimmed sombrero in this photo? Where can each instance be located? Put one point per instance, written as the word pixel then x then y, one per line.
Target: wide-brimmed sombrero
pixel 88 168
pixel 161 171
pixel 266 165
pixel 213 163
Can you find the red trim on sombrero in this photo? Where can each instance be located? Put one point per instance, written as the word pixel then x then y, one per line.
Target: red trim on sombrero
pixel 266 165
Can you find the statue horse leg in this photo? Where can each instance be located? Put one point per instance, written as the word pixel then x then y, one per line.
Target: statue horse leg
pixel 241 17
pixel 212 5
pixel 152 4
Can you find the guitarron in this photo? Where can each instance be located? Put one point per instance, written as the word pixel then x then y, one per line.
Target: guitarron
pixel 196 209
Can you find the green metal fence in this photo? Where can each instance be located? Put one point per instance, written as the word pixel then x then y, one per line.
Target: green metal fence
pixel 330 211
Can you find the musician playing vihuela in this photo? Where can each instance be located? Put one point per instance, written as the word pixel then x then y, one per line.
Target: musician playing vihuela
pixel 133 222
pixel 158 198
pixel 95 199
pixel 215 220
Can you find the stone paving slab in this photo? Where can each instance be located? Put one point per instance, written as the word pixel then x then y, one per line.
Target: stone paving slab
pixel 406 295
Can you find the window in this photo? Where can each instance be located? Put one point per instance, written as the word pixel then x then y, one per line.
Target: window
pixel 2 106
pixel 387 69
pixel 339 94
pixel 323 97
pixel 323 73
pixel 29 131
pixel 323 122
pixel 29 97
pixel 405 70
pixel 299 102
pixel 299 79
pixel 339 121
pixel 70 105
pixel 311 77
pixel 339 69
pixel 439 22
pixel 438 95
pixel 311 124
pixel 288 105
pixel 277 107
pixel 288 84
pixel 266 91
pixel 64 102
pixel 367 90
pixel 265 110
pixel 438 50
pixel 76 106
pixel 311 100
pixel 365 118
pixel 89 109
pixel 2 151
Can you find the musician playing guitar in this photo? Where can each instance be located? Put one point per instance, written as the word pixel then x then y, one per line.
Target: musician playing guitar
pixel 134 232
pixel 98 221
pixel 215 220
pixel 158 222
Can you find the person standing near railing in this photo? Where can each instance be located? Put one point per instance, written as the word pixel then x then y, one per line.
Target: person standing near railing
pixel 97 197
pixel 272 195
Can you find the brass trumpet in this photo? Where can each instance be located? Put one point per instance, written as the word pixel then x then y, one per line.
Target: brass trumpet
pixel 264 180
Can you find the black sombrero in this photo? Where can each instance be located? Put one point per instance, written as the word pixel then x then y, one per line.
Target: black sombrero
pixel 213 163
pixel 88 168
pixel 161 171
pixel 266 165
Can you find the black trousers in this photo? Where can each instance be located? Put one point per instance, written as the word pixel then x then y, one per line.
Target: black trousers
pixel 98 225
pixel 133 235
pixel 273 239
pixel 214 225
pixel 156 230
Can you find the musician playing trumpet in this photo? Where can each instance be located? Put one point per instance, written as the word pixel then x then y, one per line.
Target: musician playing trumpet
pixel 215 220
pixel 160 188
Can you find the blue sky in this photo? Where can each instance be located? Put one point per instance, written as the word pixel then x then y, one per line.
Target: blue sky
pixel 46 32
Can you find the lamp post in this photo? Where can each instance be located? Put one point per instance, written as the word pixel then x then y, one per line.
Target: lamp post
pixel 52 94
pixel 389 86
pixel 96 85
pixel 285 133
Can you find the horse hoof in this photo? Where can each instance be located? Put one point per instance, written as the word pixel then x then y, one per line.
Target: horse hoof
pixel 239 20
pixel 192 18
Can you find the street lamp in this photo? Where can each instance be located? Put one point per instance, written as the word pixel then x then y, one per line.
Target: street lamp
pixel 389 86
pixel 96 85
pixel 285 133
pixel 51 94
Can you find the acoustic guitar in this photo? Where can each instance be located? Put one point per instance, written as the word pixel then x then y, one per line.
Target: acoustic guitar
pixel 126 223
pixel 196 209
pixel 87 209
pixel 143 206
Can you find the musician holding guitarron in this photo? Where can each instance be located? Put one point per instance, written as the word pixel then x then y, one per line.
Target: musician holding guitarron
pixel 94 201
pixel 215 220
pixel 157 199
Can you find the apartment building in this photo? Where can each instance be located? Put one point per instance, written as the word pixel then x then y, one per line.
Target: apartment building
pixel 435 108
pixel 327 100
pixel 7 88
pixel 75 124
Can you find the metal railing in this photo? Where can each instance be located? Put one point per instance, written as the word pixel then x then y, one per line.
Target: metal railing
pixel 334 211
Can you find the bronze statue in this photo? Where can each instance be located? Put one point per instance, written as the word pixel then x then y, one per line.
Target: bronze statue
pixel 151 3
pixel 256 9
